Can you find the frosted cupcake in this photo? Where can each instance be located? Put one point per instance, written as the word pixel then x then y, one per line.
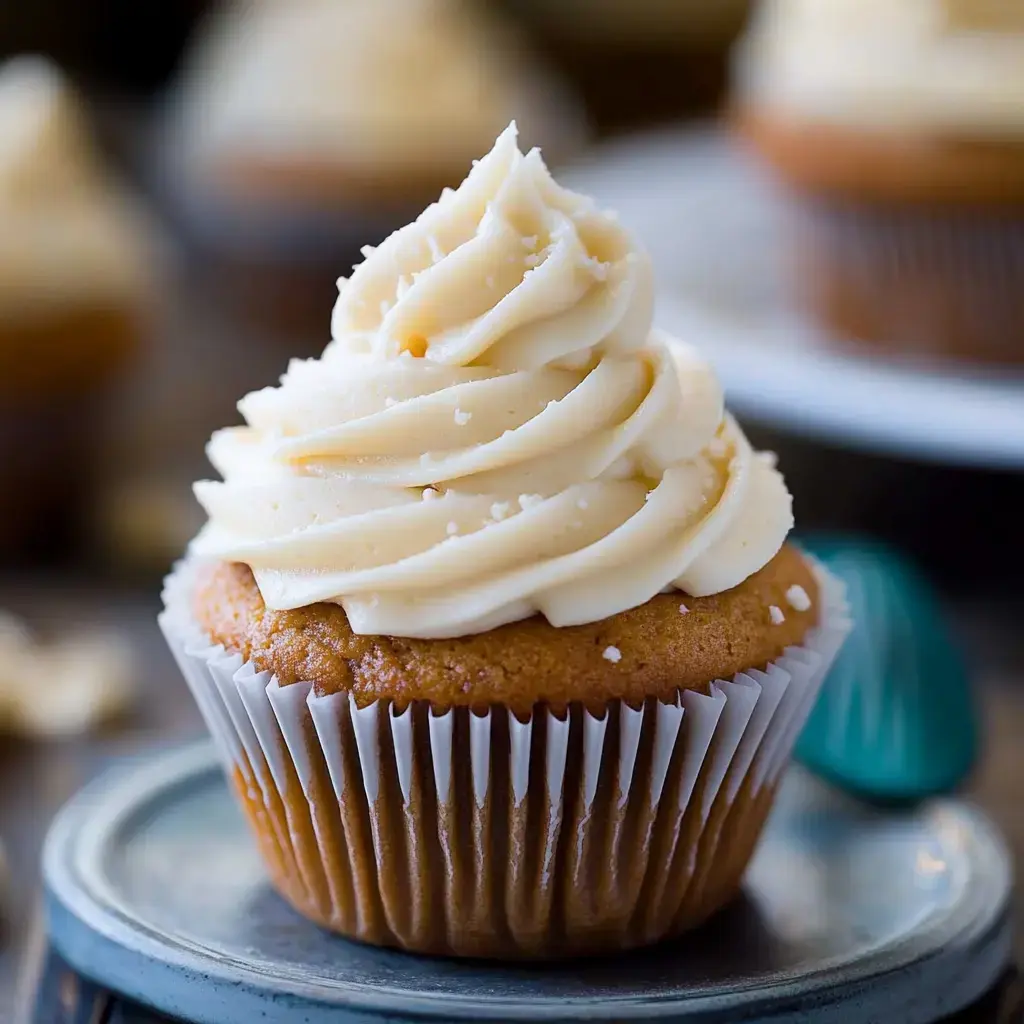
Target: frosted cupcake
pixel 899 128
pixel 494 619
pixel 76 266
pixel 303 130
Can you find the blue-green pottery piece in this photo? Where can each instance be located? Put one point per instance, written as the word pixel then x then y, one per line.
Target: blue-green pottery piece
pixel 896 718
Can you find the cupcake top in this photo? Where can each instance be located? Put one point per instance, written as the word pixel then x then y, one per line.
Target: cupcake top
pixel 394 88
pixel 70 234
pixel 945 65
pixel 495 430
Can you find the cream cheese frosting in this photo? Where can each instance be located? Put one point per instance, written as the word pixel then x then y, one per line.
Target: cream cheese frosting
pixel 953 65
pixel 495 430
pixel 401 87
pixel 69 233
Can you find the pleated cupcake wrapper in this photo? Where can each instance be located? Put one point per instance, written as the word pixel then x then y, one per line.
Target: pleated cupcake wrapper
pixel 933 280
pixel 478 834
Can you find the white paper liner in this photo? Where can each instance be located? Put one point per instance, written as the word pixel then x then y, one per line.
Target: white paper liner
pixel 929 282
pixel 482 835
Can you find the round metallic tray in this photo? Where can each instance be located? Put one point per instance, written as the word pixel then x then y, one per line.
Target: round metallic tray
pixel 155 889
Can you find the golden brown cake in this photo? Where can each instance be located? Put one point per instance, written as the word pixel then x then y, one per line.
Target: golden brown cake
pixel 898 130
pixel 524 663
pixel 494 617
pixel 75 266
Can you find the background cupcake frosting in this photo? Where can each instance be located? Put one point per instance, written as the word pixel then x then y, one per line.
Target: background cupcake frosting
pixel 69 231
pixel 397 87
pixel 945 64
pixel 494 431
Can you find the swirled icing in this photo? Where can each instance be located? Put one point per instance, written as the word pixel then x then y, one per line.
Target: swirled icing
pixel 494 431
pixel 927 64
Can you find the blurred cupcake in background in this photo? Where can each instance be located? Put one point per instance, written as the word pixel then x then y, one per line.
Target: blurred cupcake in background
pixel 899 127
pixel 76 283
pixel 640 61
pixel 302 130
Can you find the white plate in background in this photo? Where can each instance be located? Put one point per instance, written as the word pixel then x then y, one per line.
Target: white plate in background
pixel 714 230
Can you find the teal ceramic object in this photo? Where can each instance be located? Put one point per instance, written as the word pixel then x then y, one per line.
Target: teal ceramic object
pixel 896 718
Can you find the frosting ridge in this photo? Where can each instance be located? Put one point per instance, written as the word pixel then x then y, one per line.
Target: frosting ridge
pixel 495 430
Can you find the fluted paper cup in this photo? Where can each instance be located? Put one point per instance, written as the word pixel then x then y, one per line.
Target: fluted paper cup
pixel 462 833
pixel 919 282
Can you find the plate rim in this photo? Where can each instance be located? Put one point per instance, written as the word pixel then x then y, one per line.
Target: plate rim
pixel 79 916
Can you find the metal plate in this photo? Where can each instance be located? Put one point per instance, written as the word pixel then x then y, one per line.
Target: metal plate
pixel 155 889
pixel 715 230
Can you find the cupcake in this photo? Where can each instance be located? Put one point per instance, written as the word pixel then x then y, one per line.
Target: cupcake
pixel 899 130
pixel 302 130
pixel 75 266
pixel 493 619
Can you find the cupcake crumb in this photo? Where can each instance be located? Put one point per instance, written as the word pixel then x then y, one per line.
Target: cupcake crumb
pixel 462 418
pixel 500 510
pixel 612 654
pixel 529 500
pixel 776 615
pixel 797 598
pixel 683 610
pixel 430 494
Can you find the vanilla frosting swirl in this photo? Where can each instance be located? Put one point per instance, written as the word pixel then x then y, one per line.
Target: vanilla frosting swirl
pixel 954 65
pixel 494 431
